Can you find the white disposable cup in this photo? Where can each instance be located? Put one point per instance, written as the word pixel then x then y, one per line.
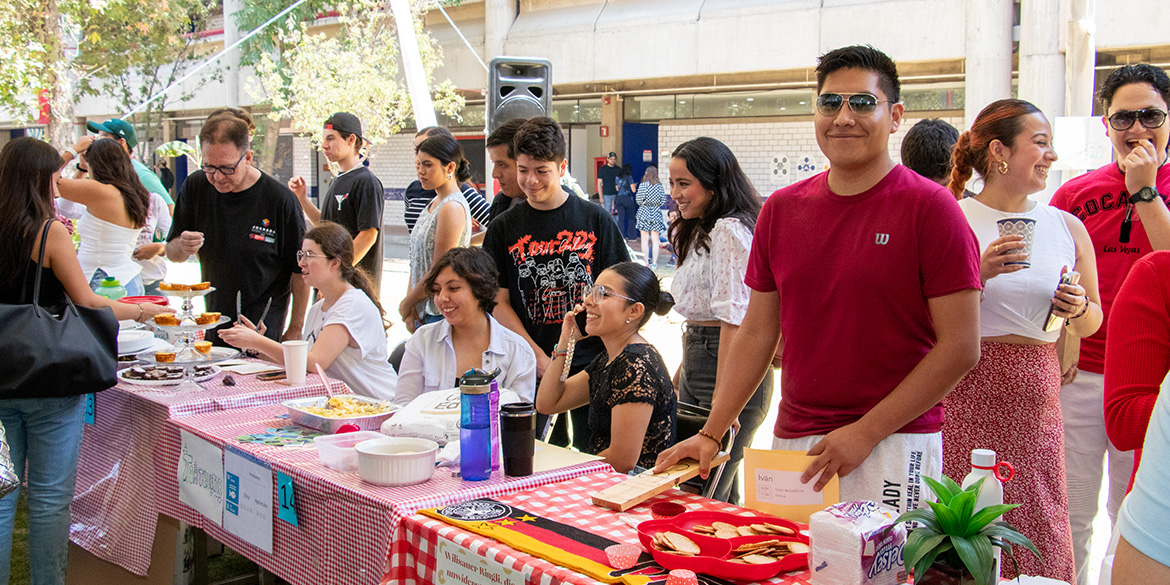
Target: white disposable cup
pixel 296 360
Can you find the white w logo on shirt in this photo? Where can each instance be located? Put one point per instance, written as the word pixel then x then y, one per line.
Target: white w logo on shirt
pixel 881 239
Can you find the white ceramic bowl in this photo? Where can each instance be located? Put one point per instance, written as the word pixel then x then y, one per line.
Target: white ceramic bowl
pixel 396 461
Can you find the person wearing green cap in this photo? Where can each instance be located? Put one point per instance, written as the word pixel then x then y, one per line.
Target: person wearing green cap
pixel 150 253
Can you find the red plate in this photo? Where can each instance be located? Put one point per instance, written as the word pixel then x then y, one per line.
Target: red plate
pixel 145 299
pixel 715 552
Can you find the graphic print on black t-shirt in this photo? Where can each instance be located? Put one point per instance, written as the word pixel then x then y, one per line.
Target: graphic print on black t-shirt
pixel 553 273
pixel 547 258
pixel 355 201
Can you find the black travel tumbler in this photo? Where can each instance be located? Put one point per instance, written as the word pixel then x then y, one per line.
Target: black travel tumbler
pixel 518 437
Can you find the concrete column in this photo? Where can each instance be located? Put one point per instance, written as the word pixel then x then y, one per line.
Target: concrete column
pixel 1042 67
pixel 988 54
pixel 1081 58
pixel 230 61
pixel 611 117
pixel 498 18
pixel 1041 61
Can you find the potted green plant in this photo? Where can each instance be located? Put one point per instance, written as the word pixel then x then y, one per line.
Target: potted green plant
pixel 954 542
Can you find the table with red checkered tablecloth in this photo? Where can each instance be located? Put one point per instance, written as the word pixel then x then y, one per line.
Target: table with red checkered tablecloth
pixel 115 510
pixel 346 527
pixel 415 553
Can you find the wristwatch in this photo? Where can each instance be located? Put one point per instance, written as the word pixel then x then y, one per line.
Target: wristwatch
pixel 1144 195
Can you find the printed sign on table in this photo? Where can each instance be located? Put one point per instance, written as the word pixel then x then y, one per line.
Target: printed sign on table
pixel 248 499
pixel 772 484
pixel 200 475
pixel 455 564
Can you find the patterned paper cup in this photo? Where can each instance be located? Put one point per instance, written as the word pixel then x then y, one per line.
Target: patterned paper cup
pixel 622 556
pixel 682 577
pixel 1019 226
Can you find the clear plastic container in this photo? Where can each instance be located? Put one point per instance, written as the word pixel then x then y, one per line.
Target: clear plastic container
pixel 337 452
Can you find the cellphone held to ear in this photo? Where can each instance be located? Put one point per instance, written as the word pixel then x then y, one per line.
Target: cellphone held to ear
pixel 580 317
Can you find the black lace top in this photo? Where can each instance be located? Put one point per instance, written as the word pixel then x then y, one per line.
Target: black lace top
pixel 638 374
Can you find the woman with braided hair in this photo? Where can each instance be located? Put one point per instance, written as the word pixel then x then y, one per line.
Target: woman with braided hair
pixel 346 328
pixel 1010 401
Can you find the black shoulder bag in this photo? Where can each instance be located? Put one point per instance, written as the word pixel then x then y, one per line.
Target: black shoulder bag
pixel 56 353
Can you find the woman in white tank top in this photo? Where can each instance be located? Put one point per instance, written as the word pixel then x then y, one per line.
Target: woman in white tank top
pixel 116 204
pixel 1010 401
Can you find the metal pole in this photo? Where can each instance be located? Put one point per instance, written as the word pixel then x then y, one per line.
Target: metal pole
pixel 416 78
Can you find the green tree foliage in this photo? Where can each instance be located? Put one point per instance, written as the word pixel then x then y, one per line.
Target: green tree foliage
pixel 352 68
pixel 133 49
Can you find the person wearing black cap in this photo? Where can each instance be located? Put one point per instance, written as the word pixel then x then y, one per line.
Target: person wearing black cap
pixel 355 197
pixel 607 177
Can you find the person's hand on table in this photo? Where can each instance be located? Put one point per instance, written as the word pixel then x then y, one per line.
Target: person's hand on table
pixel 698 447
pixel 242 335
pixel 838 453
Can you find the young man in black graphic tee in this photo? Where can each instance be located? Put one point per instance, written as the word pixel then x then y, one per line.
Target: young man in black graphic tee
pixel 548 249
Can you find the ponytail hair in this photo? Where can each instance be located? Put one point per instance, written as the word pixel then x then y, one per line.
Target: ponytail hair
pixel 336 243
pixel 643 286
pixel 1001 120
pixel 447 150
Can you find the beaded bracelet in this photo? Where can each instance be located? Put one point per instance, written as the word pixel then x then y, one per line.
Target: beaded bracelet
pixel 704 433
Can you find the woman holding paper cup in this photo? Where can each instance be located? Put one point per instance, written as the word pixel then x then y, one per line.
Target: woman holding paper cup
pixel 1032 259
pixel 345 331
pixel 632 405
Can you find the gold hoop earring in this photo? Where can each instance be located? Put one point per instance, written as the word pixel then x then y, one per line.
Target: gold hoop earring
pixel 1003 167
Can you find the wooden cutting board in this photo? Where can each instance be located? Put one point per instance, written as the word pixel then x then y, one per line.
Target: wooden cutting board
pixel 639 488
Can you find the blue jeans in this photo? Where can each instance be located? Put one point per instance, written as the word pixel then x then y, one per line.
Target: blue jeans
pixel 45 432
pixel 608 203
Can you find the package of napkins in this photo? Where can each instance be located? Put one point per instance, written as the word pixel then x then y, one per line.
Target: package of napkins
pixel 850 545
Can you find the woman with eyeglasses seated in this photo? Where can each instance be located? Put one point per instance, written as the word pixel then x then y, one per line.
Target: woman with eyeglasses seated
pixel 632 404
pixel 463 284
pixel 346 328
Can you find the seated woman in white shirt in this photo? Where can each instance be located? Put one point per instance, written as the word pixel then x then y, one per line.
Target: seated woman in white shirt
pixel 346 327
pixel 463 284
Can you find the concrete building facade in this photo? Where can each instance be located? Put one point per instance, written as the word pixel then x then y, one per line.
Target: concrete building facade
pixel 641 76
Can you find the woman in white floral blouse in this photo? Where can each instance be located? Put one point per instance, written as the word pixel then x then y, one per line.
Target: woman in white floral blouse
pixel 712 239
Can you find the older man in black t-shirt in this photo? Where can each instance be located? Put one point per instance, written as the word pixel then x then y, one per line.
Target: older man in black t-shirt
pixel 246 229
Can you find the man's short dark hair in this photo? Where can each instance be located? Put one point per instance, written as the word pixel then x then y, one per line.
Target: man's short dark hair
pixel 862 57
pixel 928 146
pixel 541 138
pixel 1140 73
pixel 505 135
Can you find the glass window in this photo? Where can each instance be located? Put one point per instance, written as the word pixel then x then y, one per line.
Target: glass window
pixel 565 111
pixel 649 107
pixel 590 111
pixel 925 98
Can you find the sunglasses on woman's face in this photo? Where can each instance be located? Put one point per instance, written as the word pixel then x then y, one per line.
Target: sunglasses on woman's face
pixel 1150 118
pixel 862 104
